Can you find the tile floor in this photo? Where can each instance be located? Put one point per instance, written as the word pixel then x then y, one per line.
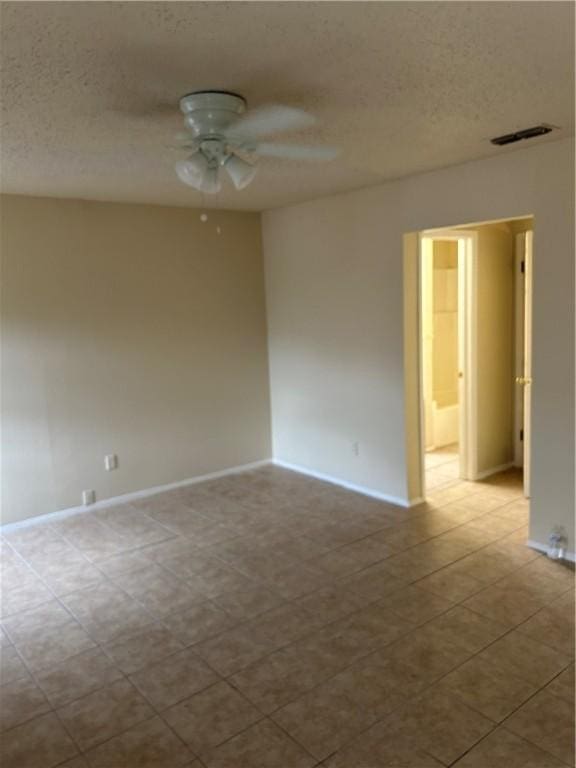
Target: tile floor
pixel 269 620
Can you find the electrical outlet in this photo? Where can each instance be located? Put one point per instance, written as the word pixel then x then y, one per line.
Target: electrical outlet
pixel 356 449
pixel 88 497
pixel 111 462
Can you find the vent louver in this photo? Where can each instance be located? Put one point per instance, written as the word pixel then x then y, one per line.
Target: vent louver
pixel 527 133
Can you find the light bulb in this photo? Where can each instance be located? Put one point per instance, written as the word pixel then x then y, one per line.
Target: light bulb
pixel 239 171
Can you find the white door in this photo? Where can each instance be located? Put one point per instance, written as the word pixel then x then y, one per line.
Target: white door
pixel 527 358
pixel 427 309
pixel 523 355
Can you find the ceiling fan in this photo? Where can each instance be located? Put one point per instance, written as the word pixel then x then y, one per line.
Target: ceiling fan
pixel 221 135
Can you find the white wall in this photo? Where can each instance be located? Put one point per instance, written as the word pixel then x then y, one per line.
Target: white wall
pixel 334 272
pixel 127 329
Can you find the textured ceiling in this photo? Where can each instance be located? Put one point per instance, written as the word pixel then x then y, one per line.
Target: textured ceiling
pixel 90 90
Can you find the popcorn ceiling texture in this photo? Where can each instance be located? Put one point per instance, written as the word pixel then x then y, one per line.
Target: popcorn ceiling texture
pixel 90 90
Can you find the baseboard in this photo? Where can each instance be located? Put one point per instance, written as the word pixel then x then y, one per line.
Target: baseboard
pixel 539 547
pixel 344 484
pixel 493 471
pixel 133 495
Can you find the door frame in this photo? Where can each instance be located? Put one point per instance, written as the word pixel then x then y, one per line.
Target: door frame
pixel 467 349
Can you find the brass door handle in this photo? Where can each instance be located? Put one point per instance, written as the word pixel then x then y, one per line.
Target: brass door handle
pixel 522 380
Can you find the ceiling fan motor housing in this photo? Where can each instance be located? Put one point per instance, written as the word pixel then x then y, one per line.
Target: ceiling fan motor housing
pixel 209 113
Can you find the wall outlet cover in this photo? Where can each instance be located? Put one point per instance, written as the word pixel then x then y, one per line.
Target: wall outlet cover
pixel 88 497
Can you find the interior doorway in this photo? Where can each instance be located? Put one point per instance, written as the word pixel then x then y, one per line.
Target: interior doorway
pixel 447 296
pixel 475 286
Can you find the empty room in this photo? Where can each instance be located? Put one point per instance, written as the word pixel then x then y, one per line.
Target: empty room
pixel 287 384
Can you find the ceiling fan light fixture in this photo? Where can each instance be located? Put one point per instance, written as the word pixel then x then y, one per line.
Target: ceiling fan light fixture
pixel 210 182
pixel 239 171
pixel 192 171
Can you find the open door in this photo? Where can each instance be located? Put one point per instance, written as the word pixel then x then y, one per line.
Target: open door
pixel 523 398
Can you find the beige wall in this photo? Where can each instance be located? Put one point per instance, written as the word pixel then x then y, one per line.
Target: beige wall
pixel 127 329
pixel 334 272
pixel 495 347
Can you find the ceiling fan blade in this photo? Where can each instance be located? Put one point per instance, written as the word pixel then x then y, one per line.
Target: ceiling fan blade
pixel 295 151
pixel 270 119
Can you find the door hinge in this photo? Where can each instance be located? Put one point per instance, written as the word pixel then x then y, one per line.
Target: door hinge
pixel 521 434
pixel 522 267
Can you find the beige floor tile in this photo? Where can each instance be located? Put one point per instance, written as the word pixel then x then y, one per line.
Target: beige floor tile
pixel 562 571
pixel 526 658
pixel 131 525
pixel 211 717
pixel 535 583
pixel 506 606
pixel 11 665
pixel 37 535
pixel 39 743
pixel 62 567
pixel 212 579
pixel 23 597
pixel 25 626
pixel 5 641
pixel 466 629
pixel 77 676
pixel 416 605
pixel 366 630
pixel 490 690
pixel 553 629
pixel 53 645
pixel 107 612
pixel 76 762
pixel 487 566
pixel 20 701
pixel 563 685
pixel 159 591
pixel 333 713
pixel 338 563
pixel 94 540
pixel 380 747
pixel 202 621
pixel 283 676
pixel 262 745
pixel 441 724
pixel 165 551
pixel 246 603
pixel 174 679
pixel 374 582
pixel 547 722
pixel 150 744
pixel 283 625
pixel 155 642
pixel 450 584
pixel 331 603
pixel 370 550
pixel 502 749
pixel 231 651
pixel 105 713
pixel 419 659
pixel 291 582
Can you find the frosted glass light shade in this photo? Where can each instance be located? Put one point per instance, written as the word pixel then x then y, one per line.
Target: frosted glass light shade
pixel 239 171
pixel 192 170
pixel 211 183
